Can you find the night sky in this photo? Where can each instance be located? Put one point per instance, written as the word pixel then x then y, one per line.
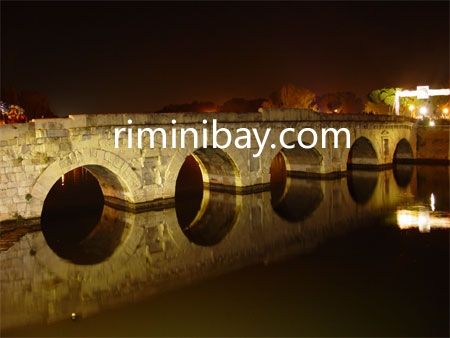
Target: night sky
pixel 130 57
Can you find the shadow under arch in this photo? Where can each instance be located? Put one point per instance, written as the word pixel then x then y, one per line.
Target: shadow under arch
pixel 362 155
pixel 403 152
pixel 75 222
pixel 361 185
pixel 301 162
pixel 219 172
pixel 205 202
pixel 292 198
pixel 116 193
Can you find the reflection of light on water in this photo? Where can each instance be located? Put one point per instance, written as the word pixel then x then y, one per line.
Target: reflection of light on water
pixel 422 219
pixel 432 202
pixel 62 180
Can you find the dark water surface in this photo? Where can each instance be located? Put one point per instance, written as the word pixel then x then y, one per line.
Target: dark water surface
pixel 363 255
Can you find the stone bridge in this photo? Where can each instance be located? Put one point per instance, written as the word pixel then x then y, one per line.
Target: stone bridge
pixel 35 155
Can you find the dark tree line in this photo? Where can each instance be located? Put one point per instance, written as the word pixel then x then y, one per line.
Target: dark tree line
pixel 287 96
pixel 233 105
pixel 194 106
pixel 340 103
pixel 34 103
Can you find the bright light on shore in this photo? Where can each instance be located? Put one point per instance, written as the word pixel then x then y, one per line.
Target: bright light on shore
pixel 423 110
pixel 411 107
pixel 432 124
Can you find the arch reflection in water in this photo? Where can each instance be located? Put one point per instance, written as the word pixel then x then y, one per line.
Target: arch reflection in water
pixel 403 174
pixel 205 216
pixel 361 184
pixel 293 199
pixel 302 162
pixel 76 224
pixel 300 199
pixel 212 221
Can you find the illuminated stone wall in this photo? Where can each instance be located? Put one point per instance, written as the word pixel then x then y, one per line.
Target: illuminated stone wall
pixel 433 143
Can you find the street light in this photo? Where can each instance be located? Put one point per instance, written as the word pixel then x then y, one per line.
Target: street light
pixel 445 110
pixel 432 123
pixel 411 109
pixel 423 110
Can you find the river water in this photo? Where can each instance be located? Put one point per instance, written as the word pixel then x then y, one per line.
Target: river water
pixel 362 255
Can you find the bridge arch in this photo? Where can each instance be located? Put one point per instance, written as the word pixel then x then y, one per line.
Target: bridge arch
pixel 204 215
pixel 403 152
pixel 119 183
pixel 287 187
pixel 298 161
pixel 362 154
pixel 217 167
pixel 220 168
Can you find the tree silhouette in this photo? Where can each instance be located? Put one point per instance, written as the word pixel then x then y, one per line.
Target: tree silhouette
pixel 34 103
pixel 340 102
pixel 241 105
pixel 329 103
pixel 195 106
pixel 292 96
pixel 381 101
